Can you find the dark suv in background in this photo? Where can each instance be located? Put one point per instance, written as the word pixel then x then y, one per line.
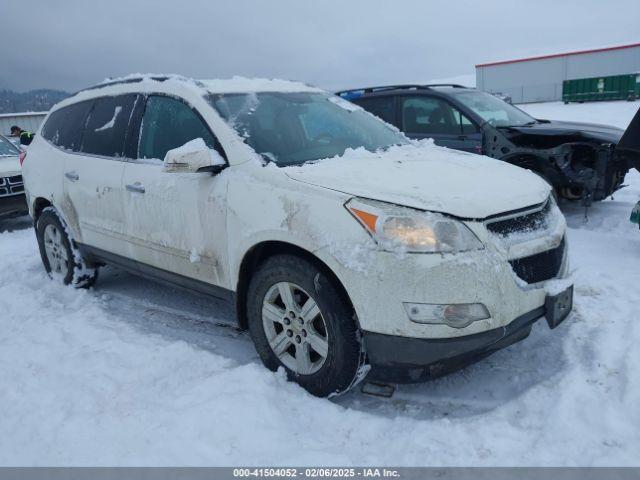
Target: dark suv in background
pixel 580 160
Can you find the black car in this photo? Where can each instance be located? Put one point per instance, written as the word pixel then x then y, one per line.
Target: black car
pixel 581 160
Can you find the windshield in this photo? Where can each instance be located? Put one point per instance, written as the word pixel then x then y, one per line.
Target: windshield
pixel 7 148
pixel 495 111
pixel 293 128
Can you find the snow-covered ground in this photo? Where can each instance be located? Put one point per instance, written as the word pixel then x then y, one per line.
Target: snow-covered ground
pixel 134 373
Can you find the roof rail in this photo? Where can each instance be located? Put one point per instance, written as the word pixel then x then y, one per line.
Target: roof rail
pixel 454 85
pixel 355 92
pixel 380 88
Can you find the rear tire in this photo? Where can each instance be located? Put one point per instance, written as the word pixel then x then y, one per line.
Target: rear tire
pixel 61 257
pixel 299 320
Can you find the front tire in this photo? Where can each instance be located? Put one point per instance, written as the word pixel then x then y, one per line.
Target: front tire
pixel 299 320
pixel 60 256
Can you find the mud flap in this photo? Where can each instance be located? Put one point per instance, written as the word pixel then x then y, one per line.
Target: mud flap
pixel 629 145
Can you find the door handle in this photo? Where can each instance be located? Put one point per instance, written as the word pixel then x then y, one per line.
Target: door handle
pixel 73 176
pixel 136 187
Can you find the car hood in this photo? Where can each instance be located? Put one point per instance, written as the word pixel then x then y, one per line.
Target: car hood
pixel 596 131
pixel 428 178
pixel 9 166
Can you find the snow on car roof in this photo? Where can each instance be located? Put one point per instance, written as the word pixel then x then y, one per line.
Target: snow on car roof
pixel 246 85
pixel 182 84
pixel 234 84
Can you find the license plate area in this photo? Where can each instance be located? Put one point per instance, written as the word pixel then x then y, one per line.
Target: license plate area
pixel 558 307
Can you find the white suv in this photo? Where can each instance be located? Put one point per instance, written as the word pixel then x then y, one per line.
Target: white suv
pixel 347 249
pixel 11 186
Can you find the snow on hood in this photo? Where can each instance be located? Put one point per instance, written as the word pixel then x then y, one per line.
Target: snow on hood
pixel 9 166
pixel 423 176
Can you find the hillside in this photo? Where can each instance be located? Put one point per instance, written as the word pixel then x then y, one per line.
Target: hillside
pixel 32 101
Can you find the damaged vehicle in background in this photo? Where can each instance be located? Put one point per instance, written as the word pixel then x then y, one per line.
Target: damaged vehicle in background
pixel 631 145
pixel 347 250
pixel 582 161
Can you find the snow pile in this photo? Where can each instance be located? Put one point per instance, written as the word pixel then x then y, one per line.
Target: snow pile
pixel 135 373
pixel 618 114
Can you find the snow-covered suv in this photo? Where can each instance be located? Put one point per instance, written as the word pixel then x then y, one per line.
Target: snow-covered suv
pixel 347 248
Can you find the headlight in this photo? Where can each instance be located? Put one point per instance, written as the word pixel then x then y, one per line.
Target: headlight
pixel 394 227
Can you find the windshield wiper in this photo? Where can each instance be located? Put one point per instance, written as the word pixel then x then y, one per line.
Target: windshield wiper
pixel 528 124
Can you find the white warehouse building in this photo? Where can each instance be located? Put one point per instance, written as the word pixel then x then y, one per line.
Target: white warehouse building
pixel 29 121
pixel 539 79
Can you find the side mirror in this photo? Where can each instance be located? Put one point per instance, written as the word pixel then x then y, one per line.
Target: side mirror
pixel 193 156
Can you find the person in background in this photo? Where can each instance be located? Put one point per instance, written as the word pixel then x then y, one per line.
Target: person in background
pixel 25 137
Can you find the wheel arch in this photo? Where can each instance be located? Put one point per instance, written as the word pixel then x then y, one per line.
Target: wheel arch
pixel 257 254
pixel 39 204
pixel 538 164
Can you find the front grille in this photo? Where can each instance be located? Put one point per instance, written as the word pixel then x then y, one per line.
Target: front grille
pixel 11 185
pixel 522 224
pixel 541 266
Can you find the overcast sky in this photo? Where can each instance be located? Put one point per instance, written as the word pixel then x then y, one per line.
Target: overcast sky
pixel 71 44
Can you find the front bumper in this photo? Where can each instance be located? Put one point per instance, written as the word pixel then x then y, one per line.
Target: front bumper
pixel 13 205
pixel 509 277
pixel 410 360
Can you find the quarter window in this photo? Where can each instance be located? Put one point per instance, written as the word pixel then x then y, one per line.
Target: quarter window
pixel 107 125
pixel 382 107
pixel 64 127
pixel 466 125
pixel 429 115
pixel 169 123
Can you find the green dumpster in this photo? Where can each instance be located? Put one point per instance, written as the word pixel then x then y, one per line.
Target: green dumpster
pixel 617 87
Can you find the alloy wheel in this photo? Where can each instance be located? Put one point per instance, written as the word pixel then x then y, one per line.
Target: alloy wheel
pixel 295 328
pixel 55 250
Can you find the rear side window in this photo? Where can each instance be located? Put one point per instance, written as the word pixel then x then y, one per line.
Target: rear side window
pixel 64 126
pixel 382 107
pixel 107 125
pixel 169 123
pixel 425 115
